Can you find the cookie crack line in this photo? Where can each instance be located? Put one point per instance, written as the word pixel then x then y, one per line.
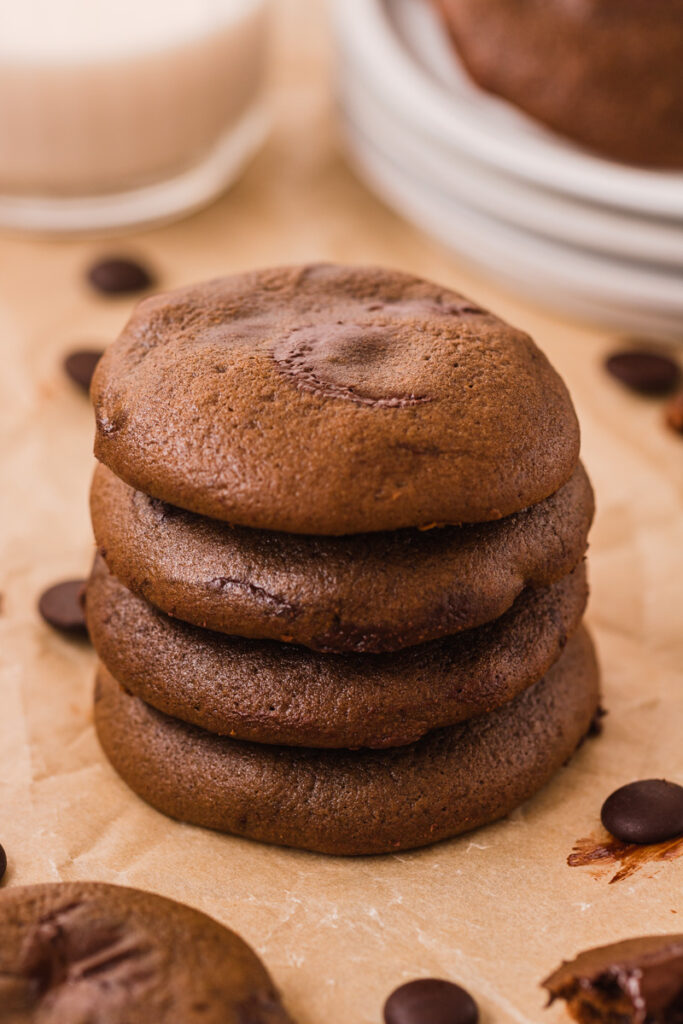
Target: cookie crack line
pixel 223 583
pixel 306 380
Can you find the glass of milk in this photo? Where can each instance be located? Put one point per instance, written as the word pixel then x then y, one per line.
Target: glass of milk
pixel 120 112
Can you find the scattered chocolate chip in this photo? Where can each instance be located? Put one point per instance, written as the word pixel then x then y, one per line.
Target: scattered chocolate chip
pixel 649 373
pixel 3 863
pixel 639 981
pixel 119 276
pixel 674 413
pixel 62 607
pixel 430 1001
pixel 649 811
pixel 80 366
pixel 596 727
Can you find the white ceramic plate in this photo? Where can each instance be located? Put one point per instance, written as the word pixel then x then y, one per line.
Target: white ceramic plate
pixel 553 215
pixel 552 275
pixel 403 47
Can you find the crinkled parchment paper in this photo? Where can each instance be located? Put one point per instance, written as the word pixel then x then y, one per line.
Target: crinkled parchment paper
pixel 496 910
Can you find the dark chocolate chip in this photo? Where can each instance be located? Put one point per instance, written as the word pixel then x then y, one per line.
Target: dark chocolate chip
pixel 596 727
pixel 118 276
pixel 62 606
pixel 80 366
pixel 430 1001
pixel 650 811
pixel 3 863
pixel 674 413
pixel 649 373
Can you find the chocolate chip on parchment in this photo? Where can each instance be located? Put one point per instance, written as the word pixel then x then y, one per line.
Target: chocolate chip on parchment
pixel 117 275
pixel 649 811
pixel 80 366
pixel 430 1001
pixel 62 607
pixel 674 413
pixel 648 373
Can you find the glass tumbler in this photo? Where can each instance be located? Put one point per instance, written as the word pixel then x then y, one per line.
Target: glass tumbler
pixel 119 113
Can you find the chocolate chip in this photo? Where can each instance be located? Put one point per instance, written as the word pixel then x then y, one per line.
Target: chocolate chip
pixel 596 727
pixel 118 276
pixel 674 413
pixel 649 373
pixel 80 366
pixel 3 863
pixel 650 811
pixel 430 1001
pixel 62 606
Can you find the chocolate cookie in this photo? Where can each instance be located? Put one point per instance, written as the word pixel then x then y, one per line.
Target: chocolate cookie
pixel 269 692
pixel 83 951
pixel 368 592
pixel 638 981
pixel 346 802
pixel 331 400
pixel 606 73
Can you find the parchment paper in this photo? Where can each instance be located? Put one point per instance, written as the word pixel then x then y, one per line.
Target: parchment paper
pixel 496 910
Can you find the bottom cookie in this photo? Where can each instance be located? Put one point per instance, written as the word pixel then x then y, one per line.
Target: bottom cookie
pixel 354 802
pixel 85 951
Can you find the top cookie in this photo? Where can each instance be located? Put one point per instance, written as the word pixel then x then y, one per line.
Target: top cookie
pixel 331 400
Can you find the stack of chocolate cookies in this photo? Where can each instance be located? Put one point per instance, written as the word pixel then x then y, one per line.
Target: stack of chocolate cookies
pixel 341 525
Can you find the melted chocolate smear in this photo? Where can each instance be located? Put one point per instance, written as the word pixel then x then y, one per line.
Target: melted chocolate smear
pixel 346 361
pixel 66 949
pixel 603 852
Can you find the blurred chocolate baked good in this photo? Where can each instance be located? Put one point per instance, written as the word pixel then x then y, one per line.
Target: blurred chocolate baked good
pixel 604 73
pixel 85 951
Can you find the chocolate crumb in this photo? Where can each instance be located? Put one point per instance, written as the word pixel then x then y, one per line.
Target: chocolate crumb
pixel 639 981
pixel 674 413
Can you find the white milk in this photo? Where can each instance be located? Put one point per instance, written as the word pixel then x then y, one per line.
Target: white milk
pixel 105 97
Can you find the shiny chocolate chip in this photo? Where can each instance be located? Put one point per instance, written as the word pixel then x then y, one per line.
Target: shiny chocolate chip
pixel 62 607
pixel 649 811
pixel 648 373
pixel 3 863
pixel 430 1001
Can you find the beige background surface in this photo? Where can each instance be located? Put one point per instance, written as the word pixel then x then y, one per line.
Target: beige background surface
pixel 495 910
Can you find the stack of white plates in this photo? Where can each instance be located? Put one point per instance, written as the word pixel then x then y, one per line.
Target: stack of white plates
pixel 579 234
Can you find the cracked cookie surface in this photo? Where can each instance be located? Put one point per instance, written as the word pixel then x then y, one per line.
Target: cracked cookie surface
pixel 331 400
pixel 364 593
